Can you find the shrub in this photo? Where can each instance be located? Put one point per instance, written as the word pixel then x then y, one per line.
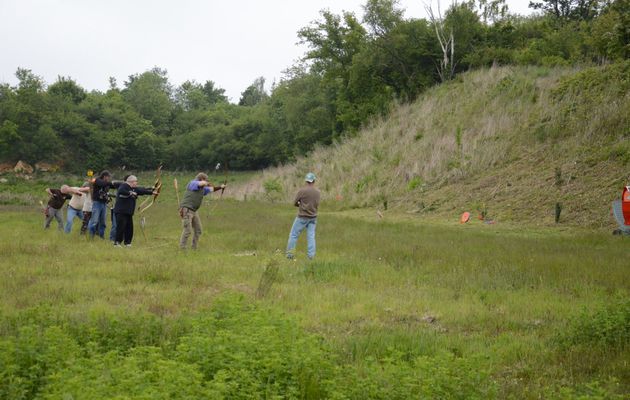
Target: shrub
pixel 273 188
pixel 414 183
pixel 606 328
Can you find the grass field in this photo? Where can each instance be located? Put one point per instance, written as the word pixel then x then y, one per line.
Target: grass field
pixel 391 308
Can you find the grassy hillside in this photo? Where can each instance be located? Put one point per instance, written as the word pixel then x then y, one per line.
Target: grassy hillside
pixel 512 140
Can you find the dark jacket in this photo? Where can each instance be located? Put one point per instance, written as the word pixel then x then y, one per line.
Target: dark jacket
pixel 101 188
pixel 57 199
pixel 126 198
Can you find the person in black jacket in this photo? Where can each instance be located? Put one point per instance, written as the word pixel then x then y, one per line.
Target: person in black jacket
pixel 125 206
pixel 100 195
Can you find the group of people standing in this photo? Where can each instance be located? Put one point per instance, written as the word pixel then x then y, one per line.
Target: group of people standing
pixel 89 203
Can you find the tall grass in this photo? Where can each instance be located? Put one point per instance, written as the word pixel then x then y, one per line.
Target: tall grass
pixel 389 309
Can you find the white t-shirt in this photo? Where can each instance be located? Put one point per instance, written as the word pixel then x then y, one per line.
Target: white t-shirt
pixel 87 202
pixel 77 201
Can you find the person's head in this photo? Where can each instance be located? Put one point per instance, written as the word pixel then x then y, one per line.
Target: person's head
pixel 105 175
pixel 132 181
pixel 310 178
pixel 201 177
pixel 65 189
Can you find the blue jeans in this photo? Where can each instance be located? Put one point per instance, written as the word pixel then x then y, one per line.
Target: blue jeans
pixel 298 226
pixel 72 214
pixel 112 232
pixel 99 217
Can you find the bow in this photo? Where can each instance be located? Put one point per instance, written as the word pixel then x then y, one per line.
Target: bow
pixel 157 188
pixel 225 181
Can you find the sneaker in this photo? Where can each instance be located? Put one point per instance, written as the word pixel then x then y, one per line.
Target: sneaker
pixel 128 245
pixel 117 244
pixel 290 256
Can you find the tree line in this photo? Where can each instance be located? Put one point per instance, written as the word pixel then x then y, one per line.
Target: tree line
pixel 355 69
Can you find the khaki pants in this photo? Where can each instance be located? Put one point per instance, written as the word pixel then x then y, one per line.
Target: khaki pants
pixel 54 213
pixel 191 223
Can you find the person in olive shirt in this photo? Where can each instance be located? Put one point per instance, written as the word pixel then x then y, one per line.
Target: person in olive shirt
pixel 55 204
pixel 126 196
pixel 193 198
pixel 307 201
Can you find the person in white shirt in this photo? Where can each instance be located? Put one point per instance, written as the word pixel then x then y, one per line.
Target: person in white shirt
pixel 75 205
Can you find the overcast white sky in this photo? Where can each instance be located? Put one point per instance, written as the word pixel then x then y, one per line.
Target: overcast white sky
pixel 229 42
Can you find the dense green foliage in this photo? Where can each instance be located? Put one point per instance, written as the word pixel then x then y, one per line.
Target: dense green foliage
pixel 353 70
pixel 235 351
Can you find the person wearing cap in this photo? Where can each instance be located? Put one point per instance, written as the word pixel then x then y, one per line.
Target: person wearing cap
pixel 100 195
pixel 126 196
pixel 307 201
pixel 75 205
pixel 192 200
pixel 54 208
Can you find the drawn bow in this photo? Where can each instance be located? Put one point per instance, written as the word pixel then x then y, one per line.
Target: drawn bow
pixel 225 181
pixel 157 188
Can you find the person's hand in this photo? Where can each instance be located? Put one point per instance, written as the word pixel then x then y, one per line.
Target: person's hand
pixel 155 192
pixel 223 185
pixel 181 213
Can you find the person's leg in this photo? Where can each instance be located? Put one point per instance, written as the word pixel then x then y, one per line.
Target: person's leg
pixel 310 237
pixel 95 218
pixel 296 229
pixel 49 217
pixel 112 232
pixel 196 225
pixel 186 227
pixel 72 213
pixel 129 231
pixel 121 225
pixel 86 220
pixel 102 220
pixel 59 218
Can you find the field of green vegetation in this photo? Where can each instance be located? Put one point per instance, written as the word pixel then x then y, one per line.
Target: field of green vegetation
pixel 392 308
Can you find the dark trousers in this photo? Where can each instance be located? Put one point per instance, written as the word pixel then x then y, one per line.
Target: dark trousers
pixel 124 228
pixel 86 220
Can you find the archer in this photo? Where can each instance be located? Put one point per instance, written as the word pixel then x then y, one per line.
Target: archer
pixel 125 206
pixel 193 198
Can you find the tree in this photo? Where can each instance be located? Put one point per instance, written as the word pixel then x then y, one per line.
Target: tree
pixel 382 16
pixel 446 39
pixel 568 9
pixel 214 94
pixel 254 94
pixel 68 89
pixel 150 95
pixel 492 10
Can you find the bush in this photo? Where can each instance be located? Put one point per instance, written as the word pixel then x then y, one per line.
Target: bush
pixel 273 188
pixel 237 351
pixel 605 328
